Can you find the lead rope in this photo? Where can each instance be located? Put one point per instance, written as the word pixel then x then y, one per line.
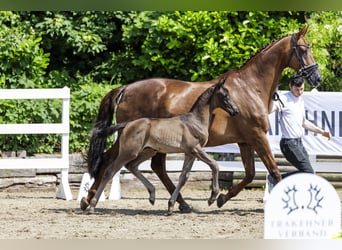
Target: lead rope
pixel 276 98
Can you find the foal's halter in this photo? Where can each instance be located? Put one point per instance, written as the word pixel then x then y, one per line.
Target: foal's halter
pixel 304 71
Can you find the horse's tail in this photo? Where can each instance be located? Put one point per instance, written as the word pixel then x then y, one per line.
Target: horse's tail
pixel 98 135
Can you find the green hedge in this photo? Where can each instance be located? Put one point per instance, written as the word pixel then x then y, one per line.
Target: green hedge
pixel 84 106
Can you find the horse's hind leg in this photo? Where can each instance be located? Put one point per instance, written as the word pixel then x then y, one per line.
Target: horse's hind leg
pixel 247 156
pixel 111 170
pixel 85 201
pixel 159 167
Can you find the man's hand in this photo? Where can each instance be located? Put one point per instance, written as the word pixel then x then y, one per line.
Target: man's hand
pixel 326 134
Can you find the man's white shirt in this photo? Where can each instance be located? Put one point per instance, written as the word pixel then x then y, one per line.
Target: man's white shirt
pixel 291 115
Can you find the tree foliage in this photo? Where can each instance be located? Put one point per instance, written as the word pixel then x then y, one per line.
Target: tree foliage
pixel 326 38
pixel 91 51
pixel 22 61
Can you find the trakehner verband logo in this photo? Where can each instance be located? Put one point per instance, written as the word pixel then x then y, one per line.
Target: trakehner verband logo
pixel 302 206
pixel 291 204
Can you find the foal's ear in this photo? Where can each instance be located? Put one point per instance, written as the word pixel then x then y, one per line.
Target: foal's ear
pixel 302 32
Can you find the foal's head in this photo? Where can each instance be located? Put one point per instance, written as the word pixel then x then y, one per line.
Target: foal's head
pixel 301 58
pixel 221 99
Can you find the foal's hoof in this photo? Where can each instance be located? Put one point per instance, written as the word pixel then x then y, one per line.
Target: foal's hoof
pixel 220 200
pixel 185 209
pixel 151 200
pixel 84 203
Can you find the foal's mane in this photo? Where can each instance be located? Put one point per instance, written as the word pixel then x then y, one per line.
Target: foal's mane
pixel 204 97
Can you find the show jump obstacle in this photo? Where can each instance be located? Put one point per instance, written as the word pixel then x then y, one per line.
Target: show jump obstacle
pixel 63 190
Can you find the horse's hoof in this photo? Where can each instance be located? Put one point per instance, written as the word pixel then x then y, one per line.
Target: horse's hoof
pixel 211 201
pixel 185 209
pixel 220 201
pixel 84 203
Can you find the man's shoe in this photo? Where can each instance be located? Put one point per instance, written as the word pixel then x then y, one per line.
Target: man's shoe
pixel 271 182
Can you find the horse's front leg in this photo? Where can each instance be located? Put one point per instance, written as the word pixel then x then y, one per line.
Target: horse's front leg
pixel 247 156
pixel 183 177
pixel 159 167
pixel 263 149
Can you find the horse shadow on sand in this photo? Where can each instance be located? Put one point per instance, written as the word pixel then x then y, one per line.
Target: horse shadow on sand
pixel 163 212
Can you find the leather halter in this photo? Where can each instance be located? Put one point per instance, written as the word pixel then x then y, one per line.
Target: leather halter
pixel 304 71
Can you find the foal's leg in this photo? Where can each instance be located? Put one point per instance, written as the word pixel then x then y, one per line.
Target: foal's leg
pixel 133 167
pixel 203 156
pixel 247 156
pixel 158 166
pixel 187 165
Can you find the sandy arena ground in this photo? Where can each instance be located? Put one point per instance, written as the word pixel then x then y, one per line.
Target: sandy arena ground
pixel 34 213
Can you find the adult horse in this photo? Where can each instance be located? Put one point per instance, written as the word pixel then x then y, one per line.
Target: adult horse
pixel 251 88
pixel 187 133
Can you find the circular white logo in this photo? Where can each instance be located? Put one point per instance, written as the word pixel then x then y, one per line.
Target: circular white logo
pixel 302 206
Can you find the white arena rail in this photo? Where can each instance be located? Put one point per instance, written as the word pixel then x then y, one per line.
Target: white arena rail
pixel 63 190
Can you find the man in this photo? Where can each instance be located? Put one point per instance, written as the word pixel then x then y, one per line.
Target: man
pixel 292 123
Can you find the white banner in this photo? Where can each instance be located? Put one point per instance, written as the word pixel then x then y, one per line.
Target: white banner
pixel 324 109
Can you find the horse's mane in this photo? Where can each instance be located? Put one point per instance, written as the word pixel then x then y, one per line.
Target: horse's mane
pixel 254 56
pixel 267 46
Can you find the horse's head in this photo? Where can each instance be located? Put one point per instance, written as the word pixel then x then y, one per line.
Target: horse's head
pixel 223 99
pixel 301 58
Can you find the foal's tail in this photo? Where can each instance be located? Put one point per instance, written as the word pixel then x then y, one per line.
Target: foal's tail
pixel 98 135
pixel 109 130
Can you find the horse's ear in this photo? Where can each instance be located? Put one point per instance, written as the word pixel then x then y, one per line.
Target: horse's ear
pixel 302 32
pixel 221 82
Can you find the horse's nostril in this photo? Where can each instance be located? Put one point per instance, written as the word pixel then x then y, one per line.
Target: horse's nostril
pixel 318 80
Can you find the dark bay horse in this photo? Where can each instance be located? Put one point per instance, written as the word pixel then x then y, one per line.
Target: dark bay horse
pixel 143 138
pixel 251 88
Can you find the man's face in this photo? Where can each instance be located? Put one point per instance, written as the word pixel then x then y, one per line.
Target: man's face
pixel 297 90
